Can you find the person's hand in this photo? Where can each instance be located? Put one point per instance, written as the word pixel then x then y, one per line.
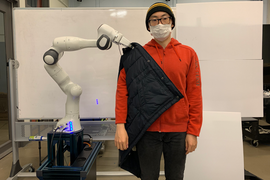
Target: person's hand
pixel 191 143
pixel 121 137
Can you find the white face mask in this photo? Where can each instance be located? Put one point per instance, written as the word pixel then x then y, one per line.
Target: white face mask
pixel 161 31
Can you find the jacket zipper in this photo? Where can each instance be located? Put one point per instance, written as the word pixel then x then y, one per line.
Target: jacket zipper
pixel 162 60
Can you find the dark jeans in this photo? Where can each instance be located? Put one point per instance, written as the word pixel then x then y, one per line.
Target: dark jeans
pixel 150 149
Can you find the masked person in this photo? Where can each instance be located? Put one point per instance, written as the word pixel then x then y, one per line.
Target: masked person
pixel 174 133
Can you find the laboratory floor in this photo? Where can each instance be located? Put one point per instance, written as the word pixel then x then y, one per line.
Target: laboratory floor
pixel 256 160
pixel 4 131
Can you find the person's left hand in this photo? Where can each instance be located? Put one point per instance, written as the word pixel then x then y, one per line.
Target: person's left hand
pixel 191 143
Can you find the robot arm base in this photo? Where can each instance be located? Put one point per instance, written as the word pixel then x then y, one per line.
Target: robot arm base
pixel 69 123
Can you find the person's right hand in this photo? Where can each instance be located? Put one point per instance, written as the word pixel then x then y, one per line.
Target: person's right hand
pixel 121 137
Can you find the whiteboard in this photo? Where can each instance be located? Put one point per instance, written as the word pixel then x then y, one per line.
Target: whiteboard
pixel 219 154
pixel 96 71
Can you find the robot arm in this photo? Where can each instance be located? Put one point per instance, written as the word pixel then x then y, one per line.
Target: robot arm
pixel 106 36
pixel 68 43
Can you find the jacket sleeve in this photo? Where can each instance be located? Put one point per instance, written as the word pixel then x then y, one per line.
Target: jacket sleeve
pixel 121 98
pixel 194 96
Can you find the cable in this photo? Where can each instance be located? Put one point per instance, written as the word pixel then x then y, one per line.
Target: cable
pixel 87 144
pixel 59 140
pixel 88 135
pixel 52 144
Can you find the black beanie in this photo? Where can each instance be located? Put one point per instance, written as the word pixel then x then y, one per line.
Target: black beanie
pixel 159 6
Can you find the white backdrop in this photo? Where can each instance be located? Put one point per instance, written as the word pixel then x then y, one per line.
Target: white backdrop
pixel 221 30
pixel 233 86
pixel 227 37
pixel 230 56
pixel 94 70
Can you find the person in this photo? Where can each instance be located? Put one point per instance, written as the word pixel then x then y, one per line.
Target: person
pixel 174 133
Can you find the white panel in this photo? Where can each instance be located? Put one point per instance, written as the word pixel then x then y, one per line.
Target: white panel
pixel 233 86
pixel 221 30
pixel 94 70
pixel 219 155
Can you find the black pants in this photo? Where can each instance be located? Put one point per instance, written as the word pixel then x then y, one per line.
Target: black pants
pixel 150 148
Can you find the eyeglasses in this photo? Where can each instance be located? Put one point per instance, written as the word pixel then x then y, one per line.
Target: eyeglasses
pixel 164 20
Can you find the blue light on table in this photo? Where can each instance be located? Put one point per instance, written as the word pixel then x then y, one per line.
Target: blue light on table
pixel 71 125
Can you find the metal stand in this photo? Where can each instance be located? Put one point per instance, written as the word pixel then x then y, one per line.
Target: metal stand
pixel 16 167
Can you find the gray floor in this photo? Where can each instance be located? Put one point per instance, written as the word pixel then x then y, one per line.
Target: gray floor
pixel 4 134
pixel 256 160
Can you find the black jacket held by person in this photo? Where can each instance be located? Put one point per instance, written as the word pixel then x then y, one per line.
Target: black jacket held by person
pixel 150 93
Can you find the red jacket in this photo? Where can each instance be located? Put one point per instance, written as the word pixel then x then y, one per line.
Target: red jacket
pixel 181 65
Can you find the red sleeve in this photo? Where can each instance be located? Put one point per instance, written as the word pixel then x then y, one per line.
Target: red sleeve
pixel 121 98
pixel 194 96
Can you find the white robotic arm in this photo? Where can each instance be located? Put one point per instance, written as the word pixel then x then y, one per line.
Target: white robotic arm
pixel 106 35
pixel 105 32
